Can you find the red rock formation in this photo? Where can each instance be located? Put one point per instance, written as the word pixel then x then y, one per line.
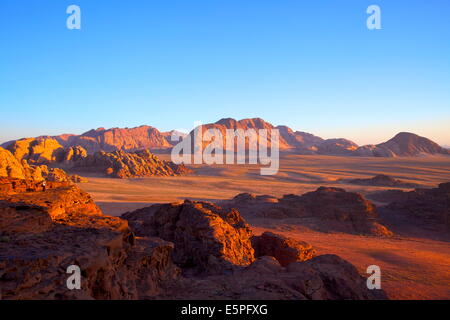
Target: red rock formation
pixel 23 219
pixel 245 124
pixel 59 201
pixel 326 277
pixel 121 164
pixel 382 180
pixel 9 185
pixel 36 150
pixel 342 147
pixel 10 167
pixel 409 144
pixel 303 141
pixel 146 137
pixel 205 236
pixel 284 249
pixel 73 154
pixel 404 144
pixel 423 207
pixel 109 140
pixel 326 209
pixel 118 164
pixel 43 233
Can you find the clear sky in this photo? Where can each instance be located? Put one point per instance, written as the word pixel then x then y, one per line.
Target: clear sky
pixel 311 65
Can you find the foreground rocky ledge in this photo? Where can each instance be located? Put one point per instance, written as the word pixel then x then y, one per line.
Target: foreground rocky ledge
pixel 189 250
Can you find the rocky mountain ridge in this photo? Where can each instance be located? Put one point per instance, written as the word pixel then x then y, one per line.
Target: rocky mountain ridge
pixel 404 144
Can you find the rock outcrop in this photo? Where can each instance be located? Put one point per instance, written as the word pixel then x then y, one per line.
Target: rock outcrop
pixel 303 141
pixel 285 250
pixel 11 167
pixel 78 179
pixel 73 154
pixel 10 185
pixel 121 164
pixel 36 150
pixel 43 233
pixel 341 147
pixel 206 237
pixel 423 207
pixel 21 218
pixel 29 159
pixel 325 277
pixel 404 144
pixel 302 277
pixel 407 144
pixel 59 201
pixel 381 180
pixel 326 209
pixel 110 140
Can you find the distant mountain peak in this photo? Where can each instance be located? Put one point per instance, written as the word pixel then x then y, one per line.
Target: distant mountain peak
pixel 148 137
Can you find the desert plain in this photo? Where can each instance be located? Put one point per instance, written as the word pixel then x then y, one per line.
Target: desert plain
pixel 414 265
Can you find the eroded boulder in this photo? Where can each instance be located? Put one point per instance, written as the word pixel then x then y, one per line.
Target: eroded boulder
pixel 284 249
pixel 325 209
pixel 206 236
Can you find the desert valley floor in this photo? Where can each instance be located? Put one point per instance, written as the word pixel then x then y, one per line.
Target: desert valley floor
pixel 412 267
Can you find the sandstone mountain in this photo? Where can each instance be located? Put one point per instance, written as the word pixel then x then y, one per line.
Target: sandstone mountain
pixel 39 150
pixel 409 144
pixel 236 265
pixel 325 277
pixel 146 137
pixel 11 167
pixel 101 139
pixel 118 164
pixel 121 164
pixel 288 139
pixel 402 145
pixel 341 146
pixel 127 139
pixel 301 140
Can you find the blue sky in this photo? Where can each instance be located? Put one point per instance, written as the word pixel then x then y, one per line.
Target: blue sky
pixel 311 65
